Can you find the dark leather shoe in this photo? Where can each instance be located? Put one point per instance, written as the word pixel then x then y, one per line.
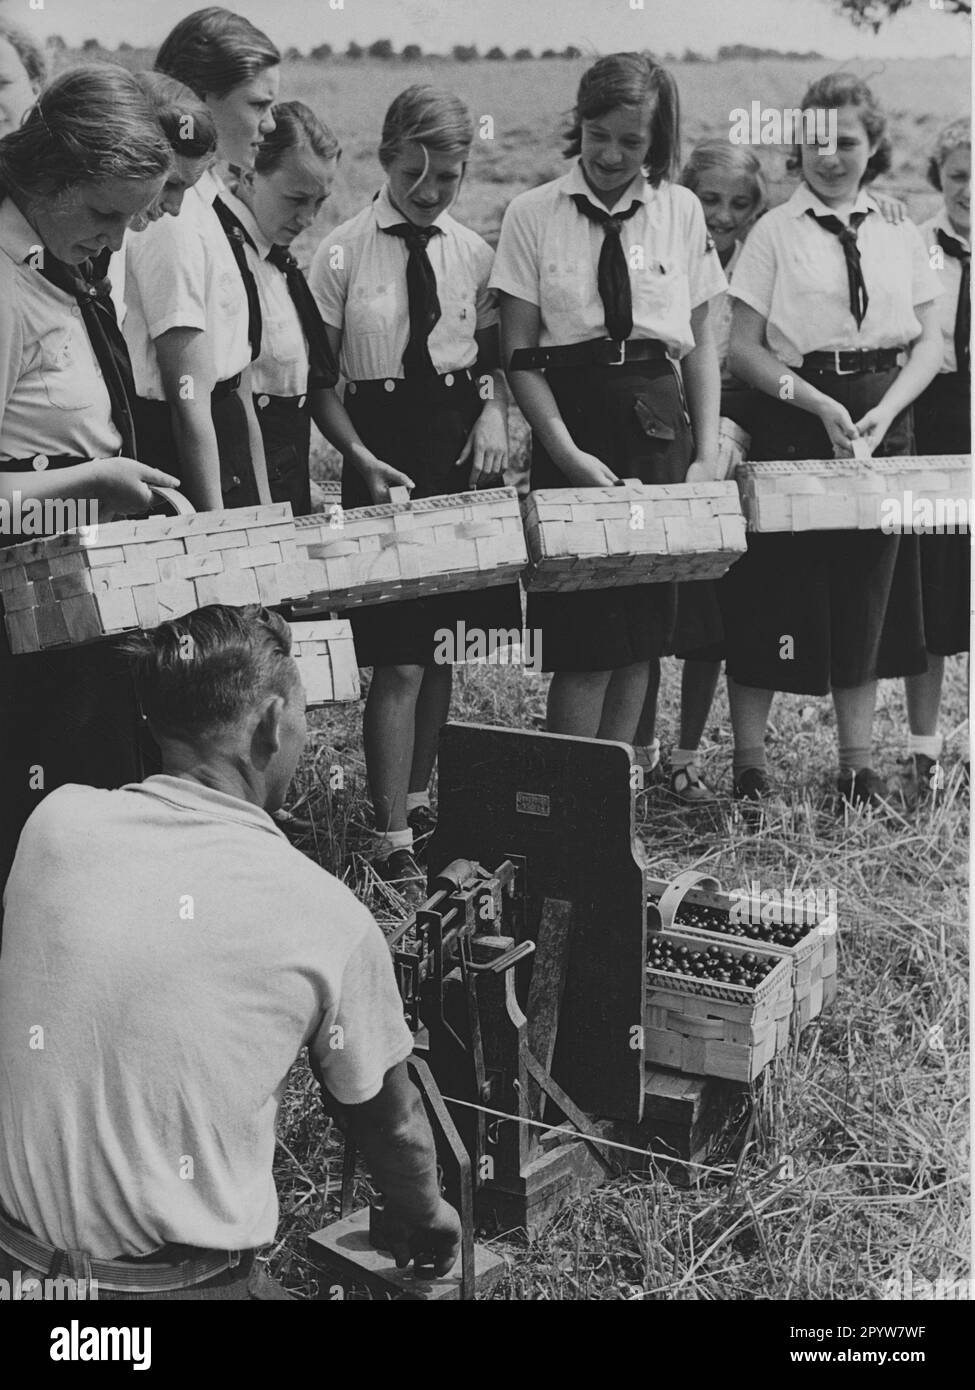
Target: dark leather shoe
pixel 752 785
pixel 865 788
pixel 401 871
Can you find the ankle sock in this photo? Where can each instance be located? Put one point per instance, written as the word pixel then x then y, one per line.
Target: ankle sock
pixel 682 757
pixel 750 757
pixel 650 752
pixel 415 799
pixel 928 744
pixel 390 840
pixel 853 759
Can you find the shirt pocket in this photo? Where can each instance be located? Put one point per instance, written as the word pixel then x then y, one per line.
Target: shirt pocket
pixel 568 287
pixel 375 307
pixel 229 293
pixel 66 371
pixel 285 340
pixel 660 295
pixel 458 312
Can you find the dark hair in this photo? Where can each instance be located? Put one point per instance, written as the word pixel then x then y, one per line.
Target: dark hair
pixel 733 159
pixel 838 89
pixel 956 135
pixel 428 116
pixel 201 673
pixel 90 123
pixel 28 51
pixel 213 51
pixel 632 79
pixel 186 121
pixel 295 127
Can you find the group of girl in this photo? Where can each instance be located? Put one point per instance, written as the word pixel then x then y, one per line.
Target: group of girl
pixel 177 340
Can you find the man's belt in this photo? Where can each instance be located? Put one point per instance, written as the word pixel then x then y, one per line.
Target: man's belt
pixel 149 1275
pixel 598 352
pixel 849 363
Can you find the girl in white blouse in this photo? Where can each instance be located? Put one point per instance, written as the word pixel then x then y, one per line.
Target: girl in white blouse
pixel 294 378
pixel 192 330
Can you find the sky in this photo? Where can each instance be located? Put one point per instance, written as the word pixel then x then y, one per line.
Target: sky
pixel 600 25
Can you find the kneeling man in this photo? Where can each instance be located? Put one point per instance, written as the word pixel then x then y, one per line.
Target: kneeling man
pixel 166 955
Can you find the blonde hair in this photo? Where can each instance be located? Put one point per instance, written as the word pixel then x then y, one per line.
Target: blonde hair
pixel 733 159
pixel 430 117
pixel 956 135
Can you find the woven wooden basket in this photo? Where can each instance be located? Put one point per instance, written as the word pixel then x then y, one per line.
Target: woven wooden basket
pixel 812 959
pixel 325 654
pixel 407 549
pixel 79 586
pixel 865 494
pixel 603 537
pixel 709 1028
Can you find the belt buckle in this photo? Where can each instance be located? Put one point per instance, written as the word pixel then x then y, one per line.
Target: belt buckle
pixel 621 348
pixel 842 371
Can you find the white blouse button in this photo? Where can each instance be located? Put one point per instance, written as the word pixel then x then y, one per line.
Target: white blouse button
pixel 263 402
pixel 40 462
pixel 389 385
pixel 448 379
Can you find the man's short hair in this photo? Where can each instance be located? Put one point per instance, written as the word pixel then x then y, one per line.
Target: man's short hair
pixel 204 672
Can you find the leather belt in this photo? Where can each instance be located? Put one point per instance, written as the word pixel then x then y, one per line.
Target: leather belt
pixel 850 362
pixel 598 352
pixel 148 1275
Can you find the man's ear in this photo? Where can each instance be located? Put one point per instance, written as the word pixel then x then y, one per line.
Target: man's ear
pixel 269 722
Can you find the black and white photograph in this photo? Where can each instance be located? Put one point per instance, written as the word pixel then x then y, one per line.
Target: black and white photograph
pixel 485 605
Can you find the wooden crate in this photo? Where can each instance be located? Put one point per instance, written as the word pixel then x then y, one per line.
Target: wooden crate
pixel 709 1028
pixel 405 549
pixel 812 959
pixel 603 537
pixel 855 494
pixel 325 654
pixel 79 586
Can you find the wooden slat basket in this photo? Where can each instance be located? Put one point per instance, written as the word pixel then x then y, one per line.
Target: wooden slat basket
pixel 710 1028
pixel 603 537
pixel 407 549
pixel 812 958
pixel 79 586
pixel 325 655
pixel 891 494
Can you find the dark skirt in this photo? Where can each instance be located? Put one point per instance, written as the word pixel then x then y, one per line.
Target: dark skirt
pixel 286 429
pixel 942 424
pixel 157 444
pixel 633 418
pixel 65 716
pixel 420 427
pixel 699 633
pixel 805 613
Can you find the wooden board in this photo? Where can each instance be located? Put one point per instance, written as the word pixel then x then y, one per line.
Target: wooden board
pixel 605 537
pixel 343 1250
pixel 566 805
pixel 855 494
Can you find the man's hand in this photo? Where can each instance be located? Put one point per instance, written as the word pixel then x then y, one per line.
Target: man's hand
pixel 434 1242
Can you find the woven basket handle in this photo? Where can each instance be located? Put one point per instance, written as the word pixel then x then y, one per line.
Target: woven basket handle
pixel 673 895
pixel 178 501
pixel 399 496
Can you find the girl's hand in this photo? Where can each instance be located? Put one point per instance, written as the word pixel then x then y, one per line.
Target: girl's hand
pixel 585 470
pixel 487 446
pixel 379 477
pixel 122 485
pixel 873 426
pixel 706 470
pixel 839 426
pixel 891 209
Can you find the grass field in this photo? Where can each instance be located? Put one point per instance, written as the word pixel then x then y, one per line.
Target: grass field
pixel 872 1104
pixel 871 1107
